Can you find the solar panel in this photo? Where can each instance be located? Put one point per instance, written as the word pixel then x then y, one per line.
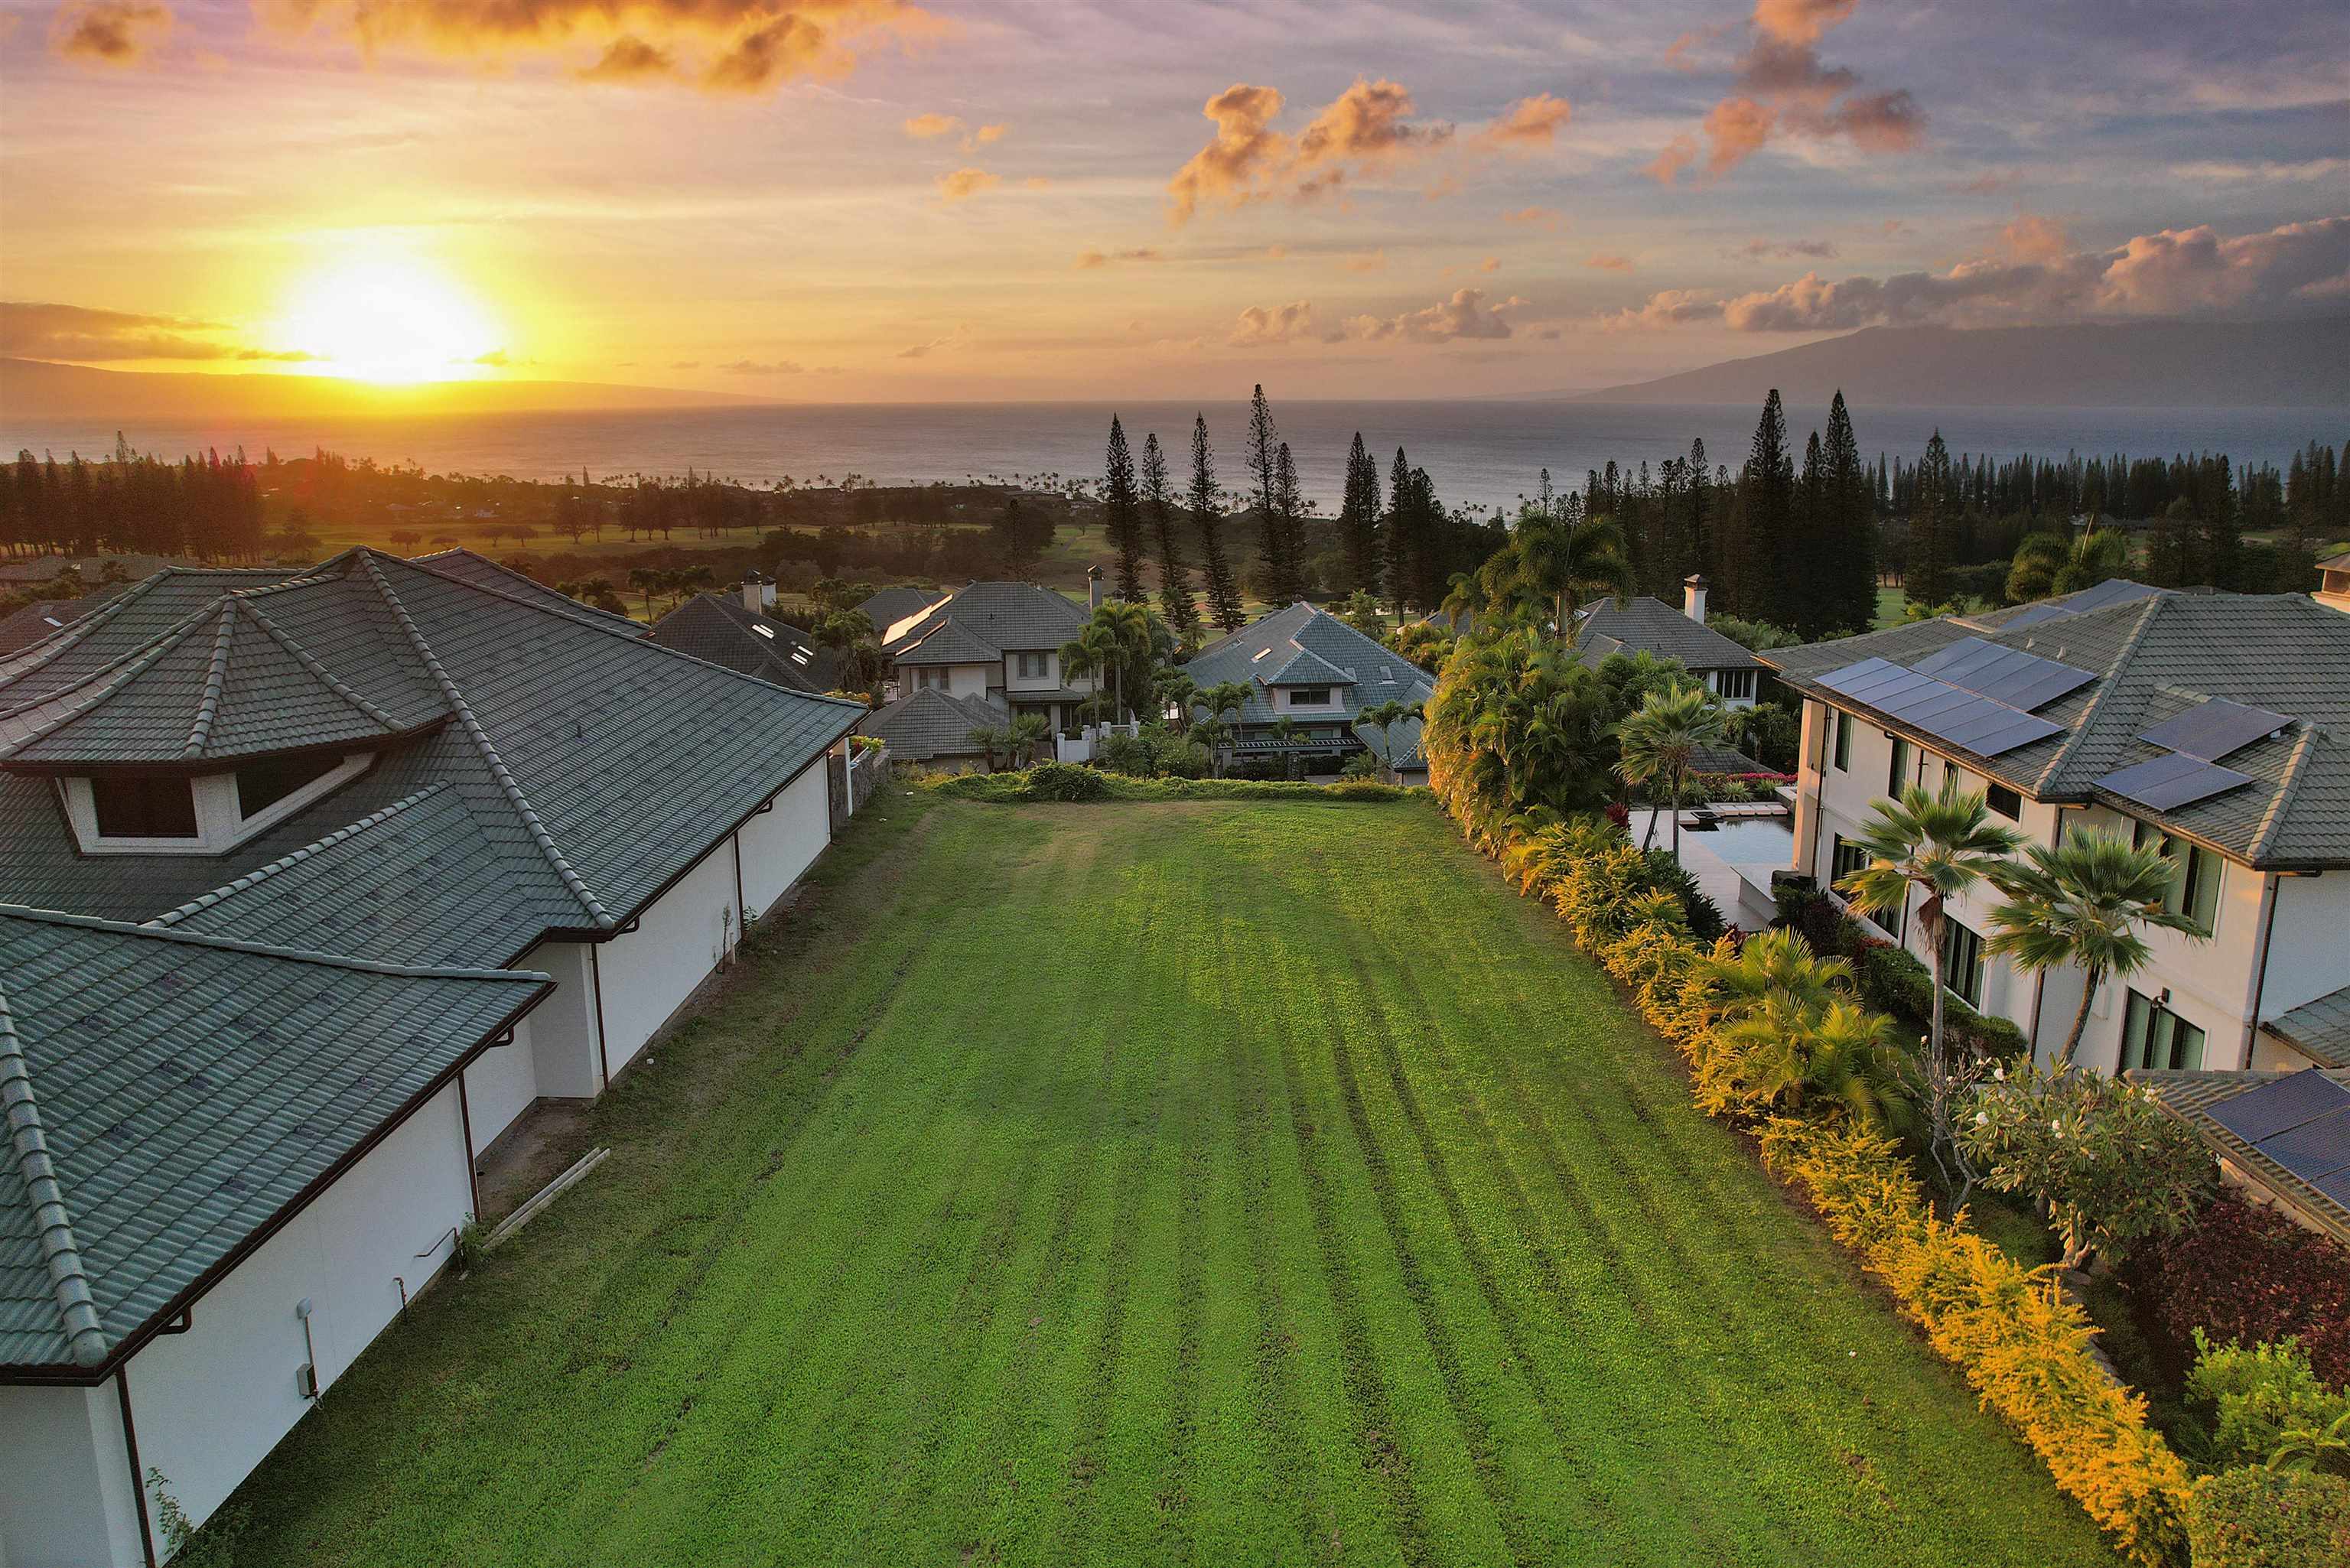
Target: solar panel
pixel 2169 782
pixel 2314 1149
pixel 2034 615
pixel 1964 718
pixel 2214 729
pixel 2006 675
pixel 2337 1187
pixel 2286 1103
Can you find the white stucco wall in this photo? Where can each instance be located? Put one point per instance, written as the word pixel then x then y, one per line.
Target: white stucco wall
pixel 502 1084
pixel 208 1404
pixel 779 844
pixel 564 1061
pixel 680 939
pixel 64 1482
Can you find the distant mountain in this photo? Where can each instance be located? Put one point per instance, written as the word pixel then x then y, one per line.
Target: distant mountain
pixel 2148 364
pixel 38 390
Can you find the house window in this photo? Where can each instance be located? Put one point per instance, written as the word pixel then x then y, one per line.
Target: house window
pixel 2154 1036
pixel 1734 683
pixel 1849 857
pixel 1033 665
pixel 1899 774
pixel 2195 887
pixel 2006 801
pixel 1843 742
pixel 930 680
pixel 1962 962
pixel 1309 697
pixel 262 785
pixel 152 807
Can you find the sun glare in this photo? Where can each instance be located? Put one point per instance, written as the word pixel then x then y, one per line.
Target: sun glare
pixel 388 321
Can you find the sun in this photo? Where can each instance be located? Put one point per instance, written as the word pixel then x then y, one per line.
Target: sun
pixel 388 321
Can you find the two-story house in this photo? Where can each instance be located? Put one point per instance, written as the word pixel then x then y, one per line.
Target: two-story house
pixel 1651 626
pixel 1311 669
pixel 2210 724
pixel 995 642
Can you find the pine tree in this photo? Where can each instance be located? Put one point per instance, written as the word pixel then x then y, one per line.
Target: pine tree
pixel 1767 488
pixel 1280 579
pixel 1358 521
pixel 1223 592
pixel 1926 579
pixel 1852 526
pixel 1403 540
pixel 1807 593
pixel 1698 543
pixel 1176 601
pixel 1124 514
pixel 1288 505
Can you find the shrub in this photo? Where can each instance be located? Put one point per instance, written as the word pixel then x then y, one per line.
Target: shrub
pixel 2245 1272
pixel 1894 981
pixel 1123 754
pixel 2259 1518
pixel 1178 757
pixel 1061 781
pixel 2112 1167
pixel 2247 1398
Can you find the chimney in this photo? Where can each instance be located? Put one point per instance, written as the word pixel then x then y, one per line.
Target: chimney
pixel 1092 587
pixel 758 591
pixel 1694 588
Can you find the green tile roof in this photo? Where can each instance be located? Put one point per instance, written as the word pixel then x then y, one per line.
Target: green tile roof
pixel 592 766
pixel 1000 617
pixel 929 723
pixel 169 1097
pixel 2319 1029
pixel 1648 625
pixel 2155 657
pixel 724 630
pixel 1284 645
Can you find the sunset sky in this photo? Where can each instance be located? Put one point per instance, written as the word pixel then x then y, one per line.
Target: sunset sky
pixel 852 199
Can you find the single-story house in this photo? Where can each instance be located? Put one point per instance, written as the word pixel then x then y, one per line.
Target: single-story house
pixel 1650 625
pixel 932 728
pixel 414 763
pixel 230 1166
pixel 1308 666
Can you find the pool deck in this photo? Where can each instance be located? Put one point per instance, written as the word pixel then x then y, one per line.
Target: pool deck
pixel 1742 890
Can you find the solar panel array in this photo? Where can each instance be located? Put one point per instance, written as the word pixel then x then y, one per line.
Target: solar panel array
pixel 2006 675
pixel 2115 591
pixel 2215 728
pixel 2301 1121
pixel 2169 782
pixel 1961 718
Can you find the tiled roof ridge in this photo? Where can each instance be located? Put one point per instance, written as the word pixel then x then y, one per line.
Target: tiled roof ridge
pixel 295 856
pixel 2272 823
pixel 200 729
pixel 2106 682
pixel 635 639
pixel 108 681
pixel 474 730
pixel 267 950
pixel 73 631
pixel 311 662
pixel 77 1309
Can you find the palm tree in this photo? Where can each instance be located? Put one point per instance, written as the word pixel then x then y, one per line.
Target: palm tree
pixel 1096 650
pixel 1659 742
pixel 1798 1035
pixel 1942 844
pixel 1228 697
pixel 1384 717
pixel 1569 562
pixel 1026 730
pixel 1284 732
pixel 2082 903
pixel 1177 694
pixel 645 579
pixel 991 739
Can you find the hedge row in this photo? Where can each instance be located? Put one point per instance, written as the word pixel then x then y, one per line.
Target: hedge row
pixel 1894 980
pixel 2022 1347
pixel 1063 781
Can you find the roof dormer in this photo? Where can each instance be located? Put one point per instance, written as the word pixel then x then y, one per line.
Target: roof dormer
pixel 156 811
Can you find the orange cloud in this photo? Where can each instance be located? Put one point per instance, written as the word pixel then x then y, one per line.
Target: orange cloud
pixel 1666 166
pixel 964 183
pixel 1374 261
pixel 1785 88
pixel 1607 261
pixel 2034 238
pixel 1465 314
pixel 1537 217
pixel 1367 126
pixel 1261 326
pixel 1529 123
pixel 1799 21
pixel 736 46
pixel 1088 260
pixel 110 31
pixel 922 127
pixel 1736 128
pixel 1245 146
pixel 1669 308
pixel 1490 263
pixel 987 133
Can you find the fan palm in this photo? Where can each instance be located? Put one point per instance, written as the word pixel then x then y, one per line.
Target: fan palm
pixel 1776 963
pixel 991 739
pixel 1384 717
pixel 2083 903
pixel 1286 732
pixel 1096 650
pixel 1025 733
pixel 1177 694
pixel 1659 743
pixel 1227 697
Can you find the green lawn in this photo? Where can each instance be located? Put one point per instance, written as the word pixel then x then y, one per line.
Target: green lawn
pixel 1216 1183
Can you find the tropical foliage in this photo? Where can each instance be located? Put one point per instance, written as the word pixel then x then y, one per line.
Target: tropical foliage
pixel 1659 745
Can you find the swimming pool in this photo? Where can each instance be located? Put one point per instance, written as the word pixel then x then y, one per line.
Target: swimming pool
pixel 1747 840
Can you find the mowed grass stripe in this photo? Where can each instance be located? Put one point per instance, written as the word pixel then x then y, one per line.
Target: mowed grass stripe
pixel 1209 1182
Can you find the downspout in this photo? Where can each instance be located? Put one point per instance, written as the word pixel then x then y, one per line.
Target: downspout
pixel 466 1119
pixel 2039 977
pixel 603 1060
pixel 2269 901
pixel 741 910
pixel 137 1476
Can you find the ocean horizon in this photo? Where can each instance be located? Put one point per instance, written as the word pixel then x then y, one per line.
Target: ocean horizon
pixel 1480 453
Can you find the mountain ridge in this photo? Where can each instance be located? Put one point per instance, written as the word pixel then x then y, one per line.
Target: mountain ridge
pixel 2142 364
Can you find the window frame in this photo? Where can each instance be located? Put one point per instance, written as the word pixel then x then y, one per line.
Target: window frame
pixel 1963 941
pixel 1896 771
pixel 1993 793
pixel 222 823
pixel 2144 1017
pixel 2195 890
pixel 1734 684
pixel 1043 667
pixel 1309 696
pixel 1840 746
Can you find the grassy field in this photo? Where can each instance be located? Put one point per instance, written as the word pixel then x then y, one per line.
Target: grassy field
pixel 1216 1183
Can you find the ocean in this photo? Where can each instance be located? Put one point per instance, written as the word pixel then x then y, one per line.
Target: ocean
pixel 1481 453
